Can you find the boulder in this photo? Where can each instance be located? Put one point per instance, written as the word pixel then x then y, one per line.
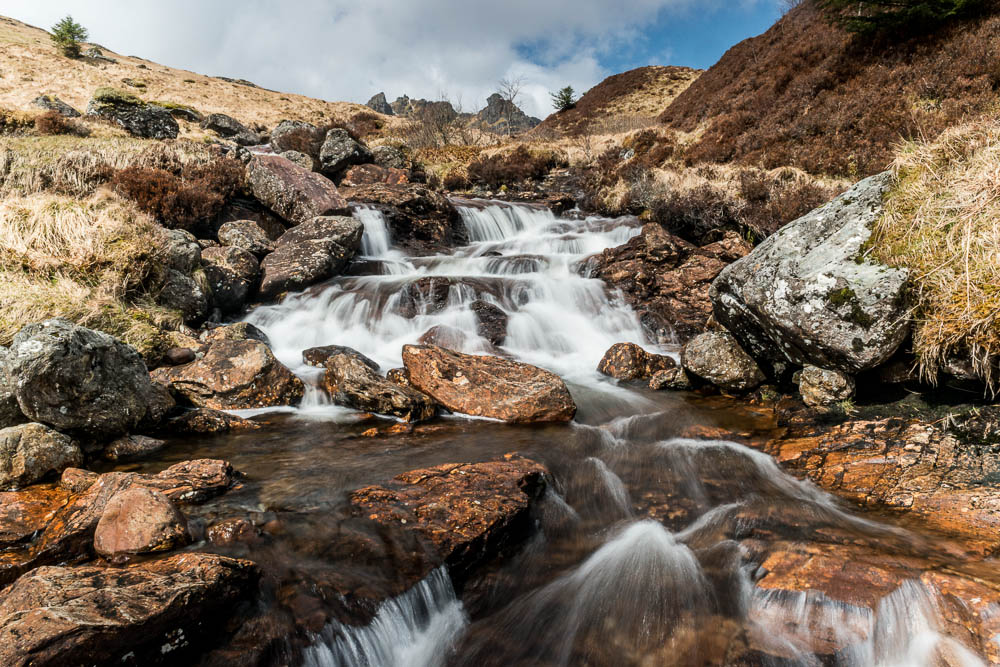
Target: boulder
pixel 318 356
pixel 182 292
pixel 147 614
pixel 718 359
pixel 820 386
pixel 294 193
pixel 628 361
pixel 78 380
pixel 247 235
pixel 205 421
pixel 24 514
pixel 297 135
pixel 301 159
pixel 351 382
pixel 230 128
pixel 443 335
pixel 310 253
pixel 138 520
pixel 178 356
pixel 53 103
pixel 343 230
pixel 182 252
pixel 806 296
pixel 674 379
pixel 132 447
pixel 379 104
pixel 31 452
pixel 488 386
pixel 148 121
pixel 390 157
pixel 340 151
pixel 232 273
pixel 10 411
pixel 233 375
pixel 491 321
pixel 366 174
pixel 237 331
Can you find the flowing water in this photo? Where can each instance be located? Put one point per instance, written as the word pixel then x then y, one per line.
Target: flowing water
pixel 644 552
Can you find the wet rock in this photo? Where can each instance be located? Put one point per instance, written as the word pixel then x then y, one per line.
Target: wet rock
pixel 318 356
pixel 149 614
pixel 77 380
pixel 821 387
pixel 230 128
pixel 26 513
pixel 132 447
pixel 468 513
pixel 238 331
pixel 424 296
pixel 343 230
pixel 379 104
pixel 294 193
pixel 205 421
pixel 296 135
pixel 135 116
pixel 312 252
pixel 340 151
pixel 10 411
pixel 182 292
pixel 232 375
pixel 628 361
pixel 246 234
pixel 231 531
pixel 53 103
pixel 491 321
pixel 802 296
pixel 445 336
pixel 31 452
pixel 488 386
pixel 367 174
pixel 674 379
pixel 77 480
pixel 177 356
pixel 351 382
pixel 232 274
pixel 718 359
pixel 398 376
pixel 138 520
pixel 390 157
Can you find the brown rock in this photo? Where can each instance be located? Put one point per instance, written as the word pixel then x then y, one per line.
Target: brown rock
pixel 31 452
pixel 674 379
pixel 628 361
pixel 77 480
pixel 24 513
pixel 233 375
pixel 718 359
pixel 178 356
pixel 132 447
pixel 443 335
pixel 318 356
pixel 94 615
pixel 138 520
pixel 201 421
pixel 398 376
pixel 367 174
pixel 488 386
pixel 294 193
pixel 231 531
pixel 351 382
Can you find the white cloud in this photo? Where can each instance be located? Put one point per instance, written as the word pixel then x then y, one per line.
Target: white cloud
pixel 341 50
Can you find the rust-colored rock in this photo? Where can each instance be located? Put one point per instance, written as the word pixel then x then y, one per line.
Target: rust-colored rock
pixel 24 513
pixel 152 612
pixel 138 520
pixel 628 361
pixel 467 512
pixel 231 531
pixel 233 374
pixel 201 421
pixel 488 386
pixel 367 174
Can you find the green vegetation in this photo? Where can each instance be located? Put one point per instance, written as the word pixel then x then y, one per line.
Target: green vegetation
pixel 67 35
pixel 564 98
pixel 109 95
pixel 875 16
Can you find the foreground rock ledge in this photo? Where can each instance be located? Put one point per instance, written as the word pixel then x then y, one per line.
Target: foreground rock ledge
pixel 143 615
pixel 488 386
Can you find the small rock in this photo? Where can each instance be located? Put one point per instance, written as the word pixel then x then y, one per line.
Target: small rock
pixel 232 275
pixel 491 321
pixel 820 387
pixel 390 157
pixel 231 531
pixel 31 452
pixel 246 234
pixel 178 356
pixel 718 359
pixel 318 356
pixel 340 151
pixel 181 292
pixel 132 447
pixel 674 379
pixel 138 520
pixel 238 331
pixel 301 159
pixel 351 382
pixel 628 361
pixel 445 336
pixel 205 421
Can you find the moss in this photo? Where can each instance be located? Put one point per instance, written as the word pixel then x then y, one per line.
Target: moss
pixel 848 297
pixel 109 95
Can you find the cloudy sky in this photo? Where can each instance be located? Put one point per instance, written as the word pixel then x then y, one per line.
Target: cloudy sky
pixel 350 50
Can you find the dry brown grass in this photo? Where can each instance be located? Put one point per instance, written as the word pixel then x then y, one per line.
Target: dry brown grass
pixel 942 222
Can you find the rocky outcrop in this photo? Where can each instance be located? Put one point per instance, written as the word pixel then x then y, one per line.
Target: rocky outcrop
pixel 820 386
pixel 488 386
pixel 318 356
pixel 339 151
pixel 232 274
pixel 31 452
pixel 806 296
pixel 379 104
pixel 628 361
pixel 467 513
pixel 504 117
pixel 312 252
pixel 150 614
pixel 138 520
pixel 230 128
pixel 135 116
pixel 53 103
pixel 717 358
pixel 667 280
pixel 232 375
pixel 350 381
pixel 491 321
pixel 294 193
pixel 247 235
pixel 78 380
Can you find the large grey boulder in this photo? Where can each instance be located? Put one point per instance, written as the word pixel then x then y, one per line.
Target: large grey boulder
pixel 181 251
pixel 30 452
pixel 307 254
pixel 340 151
pixel 182 292
pixel 53 103
pixel 806 296
pixel 390 157
pixel 297 135
pixel 78 380
pixel 294 193
pixel 718 359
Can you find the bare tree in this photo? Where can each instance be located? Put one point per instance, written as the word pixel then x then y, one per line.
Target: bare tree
pixel 509 89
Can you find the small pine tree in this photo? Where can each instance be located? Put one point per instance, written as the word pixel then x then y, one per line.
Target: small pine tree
pixel 564 98
pixel 67 35
pixel 874 16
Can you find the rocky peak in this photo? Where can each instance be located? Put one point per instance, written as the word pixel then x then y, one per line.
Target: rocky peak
pixel 499 112
pixel 379 104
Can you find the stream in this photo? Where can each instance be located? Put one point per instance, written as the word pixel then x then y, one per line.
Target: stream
pixel 645 541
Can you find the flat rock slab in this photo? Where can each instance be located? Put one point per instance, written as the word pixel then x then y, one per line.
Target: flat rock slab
pixel 24 513
pixel 143 615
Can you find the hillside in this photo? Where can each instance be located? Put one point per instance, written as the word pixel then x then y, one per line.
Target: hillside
pixel 32 66
pixel 639 93
pixel 806 94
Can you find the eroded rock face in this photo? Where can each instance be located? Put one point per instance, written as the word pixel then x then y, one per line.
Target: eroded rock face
pixel 95 615
pixel 294 193
pixel 139 520
pixel 467 512
pixel 232 375
pixel 340 151
pixel 78 380
pixel 488 386
pixel 31 452
pixel 718 359
pixel 351 382
pixel 246 234
pixel 628 361
pixel 422 221
pixel 802 295
pixel 824 387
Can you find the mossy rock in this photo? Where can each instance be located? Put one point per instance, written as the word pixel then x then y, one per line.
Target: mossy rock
pixel 109 95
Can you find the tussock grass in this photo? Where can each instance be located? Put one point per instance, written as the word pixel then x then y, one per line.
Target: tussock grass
pixel 89 260
pixel 942 221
